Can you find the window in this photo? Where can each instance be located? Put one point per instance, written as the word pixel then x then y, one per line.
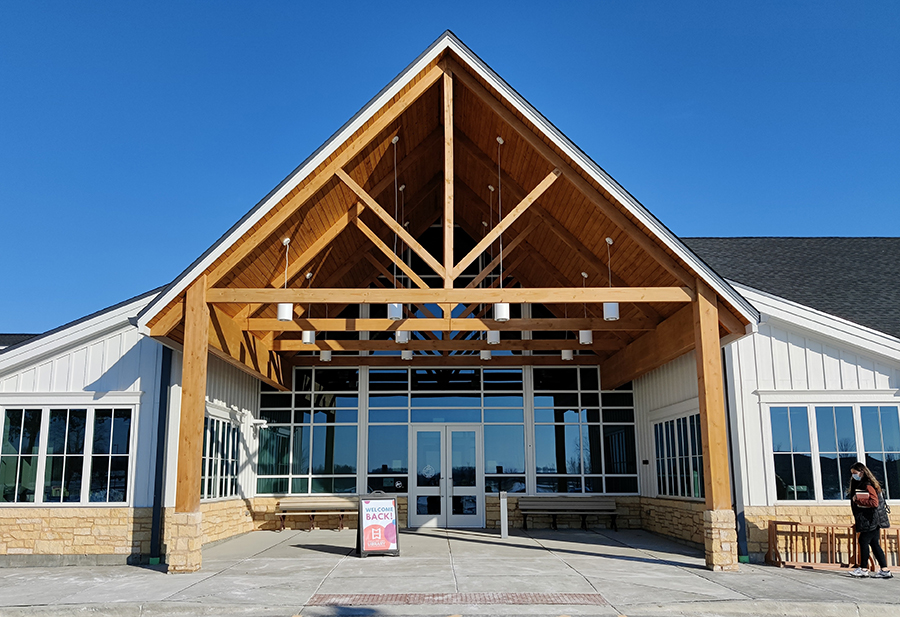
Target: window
pixel 580 444
pixel 679 457
pixel 65 455
pixel 837 449
pixel 793 453
pixel 881 437
pixel 310 443
pixel 219 473
pixel 19 455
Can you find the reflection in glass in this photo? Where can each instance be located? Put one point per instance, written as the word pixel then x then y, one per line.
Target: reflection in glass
pixel 336 380
pixel 388 400
pixel 556 415
pixel 837 449
pixel 504 449
pixel 549 484
pixel 510 484
pixel 446 415
pixel 462 448
pixel 446 400
pixel 503 379
pixel 334 449
pixel 555 379
pixel 619 449
pixel 465 504
pixel 388 415
pixel 388 449
pixel 428 504
pixel 428 458
pixel 446 380
pixel 557 449
pixel 300 462
pixel 274 451
pixel 503 415
pixel 556 400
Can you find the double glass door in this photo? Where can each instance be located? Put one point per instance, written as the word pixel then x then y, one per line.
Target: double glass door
pixel 447 488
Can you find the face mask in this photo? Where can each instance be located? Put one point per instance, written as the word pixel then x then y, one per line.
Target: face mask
pixel 857 477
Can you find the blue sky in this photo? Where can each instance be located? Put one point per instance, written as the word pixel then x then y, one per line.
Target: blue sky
pixel 133 134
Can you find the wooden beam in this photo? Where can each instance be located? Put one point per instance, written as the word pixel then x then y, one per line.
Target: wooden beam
pixel 556 295
pixel 540 214
pixel 296 265
pixel 448 181
pixel 672 338
pixel 359 144
pixel 509 249
pixel 586 188
pixel 389 220
pixel 442 325
pixel 422 360
pixel 169 320
pixel 193 398
pixel 508 220
pixel 713 423
pixel 385 249
pixel 235 344
pixel 444 345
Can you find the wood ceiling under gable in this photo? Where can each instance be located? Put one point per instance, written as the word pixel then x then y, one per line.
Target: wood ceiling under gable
pixel 557 238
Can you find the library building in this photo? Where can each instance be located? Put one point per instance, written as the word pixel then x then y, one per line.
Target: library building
pixel 451 303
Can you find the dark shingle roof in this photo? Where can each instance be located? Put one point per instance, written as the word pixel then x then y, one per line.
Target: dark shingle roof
pixel 853 278
pixel 8 340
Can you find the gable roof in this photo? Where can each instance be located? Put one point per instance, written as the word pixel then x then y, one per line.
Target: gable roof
pixel 851 278
pixel 447 41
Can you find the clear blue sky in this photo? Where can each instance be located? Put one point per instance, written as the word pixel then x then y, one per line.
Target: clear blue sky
pixel 133 134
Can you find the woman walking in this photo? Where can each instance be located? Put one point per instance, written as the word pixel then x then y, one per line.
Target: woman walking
pixel 869 512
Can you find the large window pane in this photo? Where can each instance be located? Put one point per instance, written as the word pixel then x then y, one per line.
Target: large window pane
pixel 504 449
pixel 557 449
pixel 274 451
pixel 388 447
pixel 334 449
pixel 619 449
pixel 300 464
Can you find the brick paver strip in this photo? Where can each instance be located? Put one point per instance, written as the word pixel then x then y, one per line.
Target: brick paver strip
pixel 381 599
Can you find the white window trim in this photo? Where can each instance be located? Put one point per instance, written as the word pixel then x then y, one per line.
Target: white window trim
pixel 775 398
pixel 40 401
pixel 836 399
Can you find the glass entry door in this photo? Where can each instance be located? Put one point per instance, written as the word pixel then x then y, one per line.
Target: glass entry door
pixel 447 488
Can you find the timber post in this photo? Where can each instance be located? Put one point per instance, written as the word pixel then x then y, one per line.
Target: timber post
pixel 719 532
pixel 184 531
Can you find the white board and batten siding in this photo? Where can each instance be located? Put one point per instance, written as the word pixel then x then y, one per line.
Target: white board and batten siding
pixel 231 394
pixel 100 360
pixel 669 391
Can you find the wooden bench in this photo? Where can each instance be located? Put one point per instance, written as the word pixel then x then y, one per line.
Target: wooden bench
pixel 311 506
pixel 565 504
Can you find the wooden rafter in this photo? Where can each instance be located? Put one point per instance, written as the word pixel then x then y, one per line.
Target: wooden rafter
pixel 593 195
pixel 392 223
pixel 428 361
pixel 556 295
pixel 449 176
pixel 386 250
pixel 509 248
pixel 413 157
pixel 508 220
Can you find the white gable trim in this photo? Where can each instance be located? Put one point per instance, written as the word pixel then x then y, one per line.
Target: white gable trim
pixel 87 328
pixel 774 309
pixel 448 41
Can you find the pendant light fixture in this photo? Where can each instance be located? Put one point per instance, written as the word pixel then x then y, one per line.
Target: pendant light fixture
pixel 585 337
pixel 493 337
pixel 485 354
pixel 395 309
pixel 286 309
pixel 501 309
pixel 610 309
pixel 406 354
pixel 401 337
pixel 325 355
pixel 309 336
pixel 567 354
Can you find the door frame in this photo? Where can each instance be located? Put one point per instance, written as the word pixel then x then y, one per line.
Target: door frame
pixel 445 488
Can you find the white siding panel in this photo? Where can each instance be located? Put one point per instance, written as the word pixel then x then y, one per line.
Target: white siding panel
pixel 866 374
pixel 79 370
pixel 765 371
pixel 231 387
pixel 832 369
pixel 61 373
pixel 26 381
pixel 883 376
pixel 797 360
pixel 10 384
pixel 781 359
pixel 94 365
pixel 849 371
pixel 815 367
pixel 44 373
pixel 130 361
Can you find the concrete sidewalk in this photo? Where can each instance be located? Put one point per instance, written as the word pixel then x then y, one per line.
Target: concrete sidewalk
pixel 446 572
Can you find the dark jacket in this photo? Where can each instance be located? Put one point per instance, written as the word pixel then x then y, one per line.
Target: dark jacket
pixel 869 512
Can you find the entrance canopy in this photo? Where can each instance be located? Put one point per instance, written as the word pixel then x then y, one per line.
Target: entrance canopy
pixel 447 193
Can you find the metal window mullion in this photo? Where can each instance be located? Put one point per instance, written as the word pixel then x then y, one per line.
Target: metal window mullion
pixel 528 408
pixel 42 455
pixel 814 454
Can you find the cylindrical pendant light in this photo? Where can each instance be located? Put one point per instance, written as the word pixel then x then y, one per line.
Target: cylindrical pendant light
pixel 493 337
pixel 585 337
pixel 485 354
pixel 611 311
pixel 395 311
pixel 401 337
pixel 285 309
pixel 406 354
pixel 309 337
pixel 567 354
pixel 325 355
pixel 501 311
